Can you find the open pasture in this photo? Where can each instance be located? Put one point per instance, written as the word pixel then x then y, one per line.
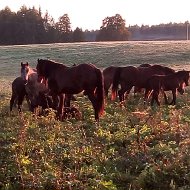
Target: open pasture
pixel 133 147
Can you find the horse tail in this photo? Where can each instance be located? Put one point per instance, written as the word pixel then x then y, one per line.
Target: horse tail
pixel 100 92
pixel 116 80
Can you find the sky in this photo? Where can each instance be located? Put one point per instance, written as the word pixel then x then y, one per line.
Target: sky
pixel 88 14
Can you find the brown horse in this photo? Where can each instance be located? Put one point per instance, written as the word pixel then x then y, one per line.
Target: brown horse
pixel 136 88
pixel 37 91
pixel 18 94
pixel 73 80
pixel 131 76
pixel 174 82
pixel 32 86
pixel 108 73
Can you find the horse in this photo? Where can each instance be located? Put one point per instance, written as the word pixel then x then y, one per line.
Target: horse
pixel 32 86
pixel 73 80
pixel 108 74
pixel 172 82
pixel 18 94
pixel 45 101
pixel 136 88
pixel 130 76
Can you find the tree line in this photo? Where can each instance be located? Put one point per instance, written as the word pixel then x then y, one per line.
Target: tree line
pixel 29 26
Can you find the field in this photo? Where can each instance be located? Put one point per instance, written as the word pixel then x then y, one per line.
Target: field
pixel 133 147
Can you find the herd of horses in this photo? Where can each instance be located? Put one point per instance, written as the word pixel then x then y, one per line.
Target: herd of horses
pixel 53 85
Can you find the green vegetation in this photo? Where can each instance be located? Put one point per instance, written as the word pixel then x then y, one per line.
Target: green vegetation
pixel 134 147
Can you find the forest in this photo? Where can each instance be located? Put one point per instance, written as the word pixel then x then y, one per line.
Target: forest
pixel 30 26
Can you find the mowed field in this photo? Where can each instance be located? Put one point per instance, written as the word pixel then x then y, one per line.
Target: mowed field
pixel 132 147
pixel 173 53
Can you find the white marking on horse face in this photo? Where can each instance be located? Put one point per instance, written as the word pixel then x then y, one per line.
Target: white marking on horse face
pixel 24 75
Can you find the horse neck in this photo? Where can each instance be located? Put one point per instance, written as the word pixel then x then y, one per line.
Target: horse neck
pixel 32 76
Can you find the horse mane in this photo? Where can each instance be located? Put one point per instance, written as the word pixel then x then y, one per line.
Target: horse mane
pixel 51 62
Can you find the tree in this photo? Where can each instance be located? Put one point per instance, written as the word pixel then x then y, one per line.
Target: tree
pixel 113 29
pixel 7 26
pixel 78 35
pixel 64 28
pixel 30 26
pixel 50 29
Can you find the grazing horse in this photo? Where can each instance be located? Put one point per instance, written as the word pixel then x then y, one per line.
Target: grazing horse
pixel 174 82
pixel 73 80
pixel 130 76
pixel 108 74
pixel 136 88
pixel 18 93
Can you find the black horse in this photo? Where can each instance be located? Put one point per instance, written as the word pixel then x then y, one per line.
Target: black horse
pixel 73 80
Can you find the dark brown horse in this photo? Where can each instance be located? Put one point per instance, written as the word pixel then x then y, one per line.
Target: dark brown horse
pixel 73 80
pixel 172 82
pixel 136 88
pixel 131 76
pixel 108 73
pixel 37 92
pixel 18 94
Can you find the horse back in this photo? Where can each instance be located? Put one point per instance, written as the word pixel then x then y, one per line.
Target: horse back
pixel 108 74
pixel 146 72
pixel 129 75
pixel 18 85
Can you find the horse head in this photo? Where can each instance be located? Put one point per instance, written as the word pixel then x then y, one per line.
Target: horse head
pixel 42 70
pixel 181 88
pixel 187 78
pixel 24 71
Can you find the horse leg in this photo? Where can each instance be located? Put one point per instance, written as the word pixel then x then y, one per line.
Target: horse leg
pixel 61 106
pixel 165 98
pixel 56 100
pixel 155 95
pixel 93 100
pixel 28 101
pixel 20 100
pixel 174 97
pixel 122 91
pixel 106 92
pixel 67 102
pixel 147 94
pixel 12 101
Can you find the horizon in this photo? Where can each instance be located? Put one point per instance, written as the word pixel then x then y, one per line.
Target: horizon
pixel 91 13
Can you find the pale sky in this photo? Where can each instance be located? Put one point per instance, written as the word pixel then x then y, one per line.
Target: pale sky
pixel 88 14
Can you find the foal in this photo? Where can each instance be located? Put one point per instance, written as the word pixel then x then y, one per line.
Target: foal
pixel 32 86
pixel 18 94
pixel 174 82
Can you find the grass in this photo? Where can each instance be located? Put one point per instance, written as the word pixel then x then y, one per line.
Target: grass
pixel 133 147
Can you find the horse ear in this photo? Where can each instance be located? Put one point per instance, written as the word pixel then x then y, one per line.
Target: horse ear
pixel 21 63
pixel 27 63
